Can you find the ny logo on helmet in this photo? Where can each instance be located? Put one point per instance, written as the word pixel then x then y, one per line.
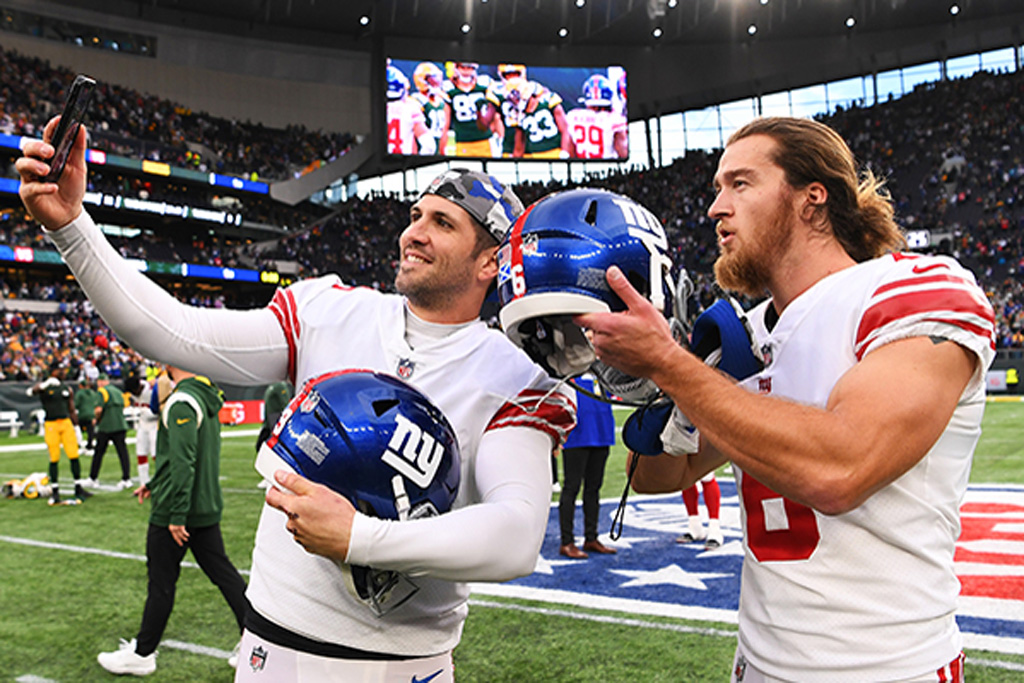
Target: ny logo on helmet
pixel 413 453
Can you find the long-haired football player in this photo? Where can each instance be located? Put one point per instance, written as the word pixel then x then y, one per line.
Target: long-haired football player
pixel 852 446
pixel 305 624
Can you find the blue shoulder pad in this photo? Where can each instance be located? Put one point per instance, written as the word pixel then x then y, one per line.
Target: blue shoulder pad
pixel 721 327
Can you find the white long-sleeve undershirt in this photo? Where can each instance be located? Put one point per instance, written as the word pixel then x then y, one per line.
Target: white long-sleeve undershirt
pixel 237 347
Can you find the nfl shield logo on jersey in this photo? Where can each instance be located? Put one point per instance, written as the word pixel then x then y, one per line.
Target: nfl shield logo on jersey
pixel 257 658
pixel 405 368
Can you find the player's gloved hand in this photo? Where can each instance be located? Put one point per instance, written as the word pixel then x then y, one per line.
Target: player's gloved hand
pixel 679 437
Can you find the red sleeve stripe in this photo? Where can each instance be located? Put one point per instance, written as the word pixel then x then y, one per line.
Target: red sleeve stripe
pixel 918 281
pixel 956 307
pixel 283 307
pixel 552 413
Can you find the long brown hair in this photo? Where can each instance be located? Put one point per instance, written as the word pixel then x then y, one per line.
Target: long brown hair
pixel 859 209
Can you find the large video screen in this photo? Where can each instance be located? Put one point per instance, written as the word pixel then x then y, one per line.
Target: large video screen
pixel 506 111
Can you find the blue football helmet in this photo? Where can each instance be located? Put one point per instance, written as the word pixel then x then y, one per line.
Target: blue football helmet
pixel 597 91
pixel 398 84
pixel 552 266
pixel 380 443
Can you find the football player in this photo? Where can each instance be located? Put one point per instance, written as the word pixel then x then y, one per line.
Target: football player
pixel 508 415
pixel 429 80
pixel 59 429
pixel 407 128
pixel 466 90
pixel 595 131
pixel 852 446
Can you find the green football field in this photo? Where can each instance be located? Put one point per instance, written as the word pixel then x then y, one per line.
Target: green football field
pixel 73 581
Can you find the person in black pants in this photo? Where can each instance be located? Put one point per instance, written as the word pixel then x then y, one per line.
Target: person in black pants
pixel 583 460
pixel 186 512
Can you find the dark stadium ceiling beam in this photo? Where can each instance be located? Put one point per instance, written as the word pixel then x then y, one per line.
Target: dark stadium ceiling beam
pixel 597 23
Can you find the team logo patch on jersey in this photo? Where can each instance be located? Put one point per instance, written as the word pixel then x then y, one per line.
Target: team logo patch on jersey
pixel 766 354
pixel 405 368
pixel 257 659
pixel 741 668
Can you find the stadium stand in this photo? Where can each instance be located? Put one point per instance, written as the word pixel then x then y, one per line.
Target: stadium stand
pixel 951 152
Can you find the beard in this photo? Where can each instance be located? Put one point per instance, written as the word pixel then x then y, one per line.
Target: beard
pixel 747 270
pixel 433 290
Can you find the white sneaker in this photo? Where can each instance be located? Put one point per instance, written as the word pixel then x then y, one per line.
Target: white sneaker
pixel 125 484
pixel 233 659
pixel 126 661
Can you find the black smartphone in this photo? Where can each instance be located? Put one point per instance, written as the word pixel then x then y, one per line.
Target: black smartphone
pixel 67 128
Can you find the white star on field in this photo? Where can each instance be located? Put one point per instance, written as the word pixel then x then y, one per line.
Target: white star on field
pixel 673 575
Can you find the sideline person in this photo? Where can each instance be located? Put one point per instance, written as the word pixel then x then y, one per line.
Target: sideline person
pixel 187 504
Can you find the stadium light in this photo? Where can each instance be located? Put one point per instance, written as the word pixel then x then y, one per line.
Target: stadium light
pixel 581 3
pixel 656 32
pixel 465 28
pixel 954 10
pixel 563 32
pixel 364 20
pixel 850 22
pixel 672 4
pixel 752 29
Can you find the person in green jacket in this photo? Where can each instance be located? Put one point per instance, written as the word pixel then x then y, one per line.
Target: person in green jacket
pixel 86 400
pixel 111 427
pixel 186 510
pixel 275 399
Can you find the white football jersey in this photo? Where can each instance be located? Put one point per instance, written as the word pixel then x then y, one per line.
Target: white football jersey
pixel 403 116
pixel 593 132
pixel 868 595
pixel 479 380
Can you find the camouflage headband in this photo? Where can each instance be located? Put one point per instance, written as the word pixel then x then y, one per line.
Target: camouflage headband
pixel 492 204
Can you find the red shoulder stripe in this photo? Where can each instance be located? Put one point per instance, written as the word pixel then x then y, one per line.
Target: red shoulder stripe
pixel 283 307
pixel 952 306
pixel 553 413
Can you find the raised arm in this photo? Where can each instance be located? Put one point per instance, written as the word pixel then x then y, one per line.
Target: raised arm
pixel 241 347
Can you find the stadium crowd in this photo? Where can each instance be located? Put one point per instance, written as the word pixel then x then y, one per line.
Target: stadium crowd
pixel 953 153
pixel 142 125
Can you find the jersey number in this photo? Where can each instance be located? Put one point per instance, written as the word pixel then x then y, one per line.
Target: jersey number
pixel 589 141
pixel 395 136
pixel 778 530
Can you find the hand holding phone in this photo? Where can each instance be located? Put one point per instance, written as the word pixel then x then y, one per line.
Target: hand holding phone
pixel 67 128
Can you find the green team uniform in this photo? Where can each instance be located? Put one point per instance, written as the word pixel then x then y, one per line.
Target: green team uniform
pixel 186 481
pixel 112 418
pixel 86 400
pixel 465 106
pixel 497 95
pixel 542 134
pixel 55 402
pixel 275 400
pixel 433 112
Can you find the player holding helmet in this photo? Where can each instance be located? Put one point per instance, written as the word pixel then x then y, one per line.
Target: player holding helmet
pixel 852 446
pixel 506 412
pixel 594 130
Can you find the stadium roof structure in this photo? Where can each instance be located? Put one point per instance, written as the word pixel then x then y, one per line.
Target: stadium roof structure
pixel 586 22
pixel 680 55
